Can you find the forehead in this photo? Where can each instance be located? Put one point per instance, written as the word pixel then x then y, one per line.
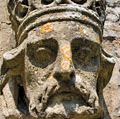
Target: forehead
pixel 65 30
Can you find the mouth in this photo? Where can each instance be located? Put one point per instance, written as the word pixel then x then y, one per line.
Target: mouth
pixel 66 102
pixel 65 94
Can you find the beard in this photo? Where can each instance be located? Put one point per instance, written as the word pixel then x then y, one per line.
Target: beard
pixel 73 99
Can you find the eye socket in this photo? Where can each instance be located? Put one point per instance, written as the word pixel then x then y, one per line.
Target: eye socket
pixel 85 54
pixel 46 2
pixel 42 53
pixel 44 56
pixel 86 59
pixel 79 1
pixel 82 55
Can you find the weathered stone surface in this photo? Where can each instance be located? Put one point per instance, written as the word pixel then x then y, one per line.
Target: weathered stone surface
pixel 112 24
pixel 110 43
pixel 111 92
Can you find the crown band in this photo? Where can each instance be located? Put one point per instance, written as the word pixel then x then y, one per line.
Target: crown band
pixel 59 13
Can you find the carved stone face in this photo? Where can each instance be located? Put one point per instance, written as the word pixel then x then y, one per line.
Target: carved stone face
pixel 60 66
pixel 62 62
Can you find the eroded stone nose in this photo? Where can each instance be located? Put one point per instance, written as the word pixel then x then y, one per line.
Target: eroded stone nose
pixel 64 76
pixel 64 69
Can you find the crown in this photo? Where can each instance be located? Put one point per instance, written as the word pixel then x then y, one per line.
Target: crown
pixel 25 15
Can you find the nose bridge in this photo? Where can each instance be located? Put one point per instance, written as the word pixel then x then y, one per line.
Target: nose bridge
pixel 64 67
pixel 65 57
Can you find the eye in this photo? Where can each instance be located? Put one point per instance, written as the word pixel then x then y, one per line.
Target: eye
pixel 85 54
pixel 46 2
pixel 85 58
pixel 44 57
pixel 79 1
pixel 42 53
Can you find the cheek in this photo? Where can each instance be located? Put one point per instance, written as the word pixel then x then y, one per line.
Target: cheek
pixel 36 76
pixel 90 78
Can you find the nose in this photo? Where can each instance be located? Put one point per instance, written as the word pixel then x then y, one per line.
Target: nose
pixel 64 69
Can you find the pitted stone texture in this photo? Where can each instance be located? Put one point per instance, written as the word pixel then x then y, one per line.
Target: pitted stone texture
pixel 112 24
pixel 112 45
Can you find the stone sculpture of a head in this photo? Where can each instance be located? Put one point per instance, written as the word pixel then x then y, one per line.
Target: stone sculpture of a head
pixel 61 65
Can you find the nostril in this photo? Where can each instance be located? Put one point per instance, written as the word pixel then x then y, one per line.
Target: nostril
pixel 57 75
pixel 40 99
pixel 64 75
pixel 72 75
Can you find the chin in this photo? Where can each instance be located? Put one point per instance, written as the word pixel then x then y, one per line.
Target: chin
pixel 71 110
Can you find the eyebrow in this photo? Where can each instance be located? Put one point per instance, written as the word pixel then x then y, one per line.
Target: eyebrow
pixel 41 40
pixel 49 42
pixel 86 40
pixel 48 38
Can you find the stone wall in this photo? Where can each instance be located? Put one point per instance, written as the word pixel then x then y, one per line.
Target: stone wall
pixel 112 44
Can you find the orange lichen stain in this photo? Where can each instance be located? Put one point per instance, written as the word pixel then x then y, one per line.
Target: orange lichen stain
pixel 66 57
pixel 82 31
pixel 84 17
pixel 66 52
pixel 46 28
